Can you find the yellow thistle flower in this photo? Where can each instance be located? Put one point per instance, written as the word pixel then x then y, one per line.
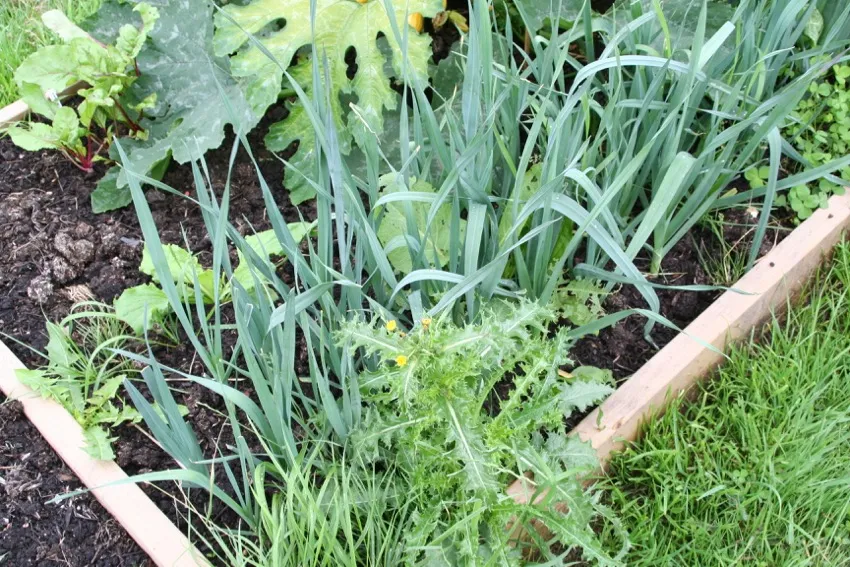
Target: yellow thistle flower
pixel 391 325
pixel 401 360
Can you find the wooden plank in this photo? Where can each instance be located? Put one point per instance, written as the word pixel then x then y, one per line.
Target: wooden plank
pixel 13 113
pixel 18 110
pixel 683 362
pixel 777 277
pixel 153 531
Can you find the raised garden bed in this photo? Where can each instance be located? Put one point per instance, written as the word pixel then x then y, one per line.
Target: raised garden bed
pixel 261 363
pixel 675 367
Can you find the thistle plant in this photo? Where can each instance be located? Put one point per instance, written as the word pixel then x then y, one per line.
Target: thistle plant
pixel 433 411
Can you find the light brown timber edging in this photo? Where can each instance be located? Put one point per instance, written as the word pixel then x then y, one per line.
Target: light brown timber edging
pixel 153 531
pixel 18 110
pixel 683 362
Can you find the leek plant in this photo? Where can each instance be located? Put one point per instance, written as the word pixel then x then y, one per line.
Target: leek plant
pixel 666 132
pixel 532 166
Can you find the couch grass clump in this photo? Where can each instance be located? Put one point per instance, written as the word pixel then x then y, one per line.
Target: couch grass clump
pixel 754 470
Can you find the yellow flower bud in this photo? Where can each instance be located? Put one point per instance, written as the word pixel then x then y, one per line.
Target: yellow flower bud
pixel 391 325
pixel 426 322
pixel 416 21
pixel 401 360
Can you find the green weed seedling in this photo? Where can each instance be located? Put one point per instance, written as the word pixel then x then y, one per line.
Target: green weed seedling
pixel 144 306
pixel 757 176
pixel 821 133
pixel 804 201
pixel 84 375
pixel 725 262
pixel 81 134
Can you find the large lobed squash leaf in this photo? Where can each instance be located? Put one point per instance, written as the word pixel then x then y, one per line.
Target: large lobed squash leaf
pixel 196 95
pixel 681 18
pixel 339 26
pixel 536 13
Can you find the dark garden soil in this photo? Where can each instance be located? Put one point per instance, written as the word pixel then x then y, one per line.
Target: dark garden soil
pixel 74 533
pixel 54 252
pixel 623 348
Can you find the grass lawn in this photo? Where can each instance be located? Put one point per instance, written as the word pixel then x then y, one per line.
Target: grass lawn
pixel 756 470
pixel 21 33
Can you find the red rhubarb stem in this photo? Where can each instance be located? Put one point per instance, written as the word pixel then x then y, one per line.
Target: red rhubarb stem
pixel 130 122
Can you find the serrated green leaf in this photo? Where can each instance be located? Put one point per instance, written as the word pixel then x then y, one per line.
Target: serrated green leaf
pixel 571 451
pixel 42 383
pixel 580 395
pixel 106 392
pixel 98 443
pixel 59 350
pixel 470 449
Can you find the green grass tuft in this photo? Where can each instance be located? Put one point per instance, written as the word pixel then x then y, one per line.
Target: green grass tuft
pixel 756 470
pixel 21 33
